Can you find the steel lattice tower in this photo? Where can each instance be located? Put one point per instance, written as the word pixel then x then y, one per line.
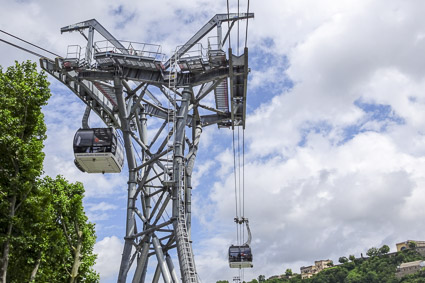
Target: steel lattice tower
pixel 126 84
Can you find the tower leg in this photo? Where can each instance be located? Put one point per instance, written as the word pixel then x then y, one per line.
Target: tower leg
pixel 171 268
pixel 130 223
pixel 156 275
pixel 141 263
pixel 161 262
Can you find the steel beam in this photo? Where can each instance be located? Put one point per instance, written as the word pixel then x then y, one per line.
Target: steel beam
pixel 161 262
pixel 132 180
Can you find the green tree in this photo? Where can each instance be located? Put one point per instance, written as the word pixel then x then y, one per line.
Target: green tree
pixel 351 258
pixel 23 91
pixel 55 240
pixel 384 249
pixel 412 244
pixel 376 268
pixel 288 272
pixel 261 278
pixel 44 233
pixel 372 252
pixel 354 277
pixel 343 259
pixel 77 234
pixel 33 231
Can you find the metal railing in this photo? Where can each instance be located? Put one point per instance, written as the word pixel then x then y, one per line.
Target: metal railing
pixel 144 50
pixel 73 52
pixel 197 51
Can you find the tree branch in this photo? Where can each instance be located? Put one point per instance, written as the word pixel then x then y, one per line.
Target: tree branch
pixel 68 239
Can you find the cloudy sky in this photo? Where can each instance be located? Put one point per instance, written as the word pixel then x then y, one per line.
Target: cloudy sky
pixel 335 136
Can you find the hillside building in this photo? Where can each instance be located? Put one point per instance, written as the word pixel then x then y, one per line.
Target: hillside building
pixel 409 268
pixel 405 245
pixel 319 265
pixel 420 246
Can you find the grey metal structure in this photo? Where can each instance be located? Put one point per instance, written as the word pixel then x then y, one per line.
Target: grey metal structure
pixel 132 88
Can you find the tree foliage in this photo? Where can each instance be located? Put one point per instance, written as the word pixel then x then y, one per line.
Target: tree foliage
pixel 23 91
pixel 44 233
pixel 384 249
pixel 379 268
pixel 53 241
pixel 343 259
pixel 373 251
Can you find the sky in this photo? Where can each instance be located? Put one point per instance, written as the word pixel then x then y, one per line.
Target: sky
pixel 334 139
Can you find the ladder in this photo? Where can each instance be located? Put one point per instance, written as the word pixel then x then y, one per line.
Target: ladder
pixel 171 118
pixel 185 247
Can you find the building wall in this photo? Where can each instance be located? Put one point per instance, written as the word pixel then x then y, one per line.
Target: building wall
pixel 309 271
pixel 322 264
pixel 421 250
pixel 409 268
pixel 405 245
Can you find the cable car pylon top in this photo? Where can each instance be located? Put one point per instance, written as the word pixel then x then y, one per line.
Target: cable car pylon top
pixel 126 84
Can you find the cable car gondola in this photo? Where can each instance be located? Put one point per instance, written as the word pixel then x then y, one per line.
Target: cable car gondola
pixel 241 256
pixel 97 150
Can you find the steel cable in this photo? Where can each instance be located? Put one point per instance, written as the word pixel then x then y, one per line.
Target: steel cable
pixel 22 48
pixel 246 31
pixel 29 43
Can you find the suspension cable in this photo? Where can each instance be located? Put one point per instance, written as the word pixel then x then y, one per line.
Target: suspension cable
pixel 243 172
pixel 29 43
pixel 246 31
pixel 239 176
pixel 234 173
pixel 22 48
pixel 228 23
pixel 238 28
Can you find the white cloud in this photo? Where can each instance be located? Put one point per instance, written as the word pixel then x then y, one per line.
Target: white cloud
pixel 333 197
pixel 201 170
pixel 99 211
pixel 323 202
pixel 108 252
pixel 102 206
pixel 315 186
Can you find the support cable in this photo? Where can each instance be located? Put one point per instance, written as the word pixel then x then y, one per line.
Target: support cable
pixel 234 172
pixel 243 180
pixel 29 43
pixel 239 176
pixel 228 23
pixel 24 49
pixel 238 30
pixel 246 31
pixel 243 172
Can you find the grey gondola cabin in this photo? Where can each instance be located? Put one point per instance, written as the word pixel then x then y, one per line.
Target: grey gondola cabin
pixel 98 150
pixel 240 256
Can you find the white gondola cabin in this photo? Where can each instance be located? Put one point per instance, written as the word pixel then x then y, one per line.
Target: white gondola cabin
pixel 240 256
pixel 98 150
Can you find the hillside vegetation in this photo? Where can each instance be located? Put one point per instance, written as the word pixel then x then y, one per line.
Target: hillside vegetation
pixel 379 267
